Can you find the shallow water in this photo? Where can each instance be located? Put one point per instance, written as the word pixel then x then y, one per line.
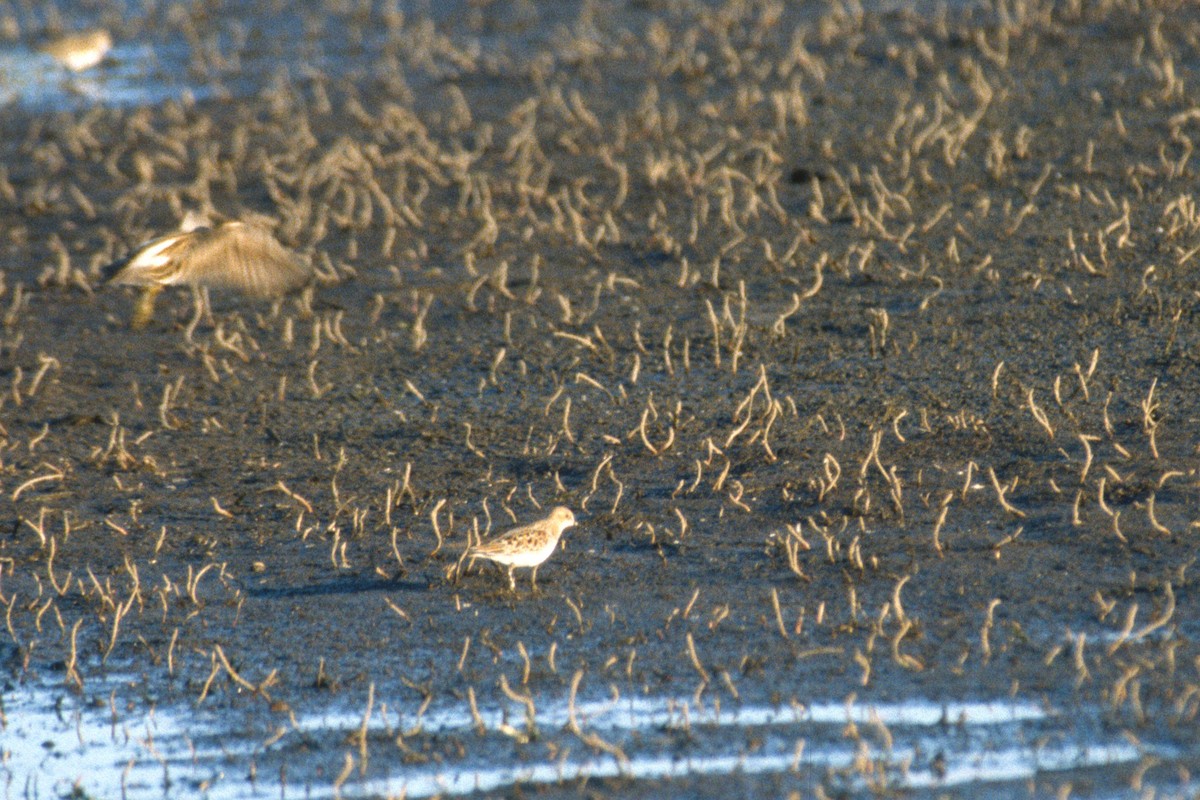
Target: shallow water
pixel 133 74
pixel 108 742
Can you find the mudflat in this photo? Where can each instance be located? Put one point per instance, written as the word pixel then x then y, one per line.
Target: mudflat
pixel 861 341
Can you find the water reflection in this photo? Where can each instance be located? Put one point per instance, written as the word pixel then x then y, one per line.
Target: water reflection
pixel 130 74
pixel 54 743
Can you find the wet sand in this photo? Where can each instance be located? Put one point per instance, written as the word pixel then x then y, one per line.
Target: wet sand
pixel 862 344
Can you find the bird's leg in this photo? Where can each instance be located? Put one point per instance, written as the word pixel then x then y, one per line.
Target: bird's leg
pixel 512 581
pixel 143 311
pixel 533 578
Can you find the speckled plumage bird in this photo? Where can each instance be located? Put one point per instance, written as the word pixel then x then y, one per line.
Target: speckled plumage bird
pixel 232 255
pixel 527 546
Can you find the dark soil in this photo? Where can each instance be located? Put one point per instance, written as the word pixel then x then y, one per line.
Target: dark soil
pixel 908 295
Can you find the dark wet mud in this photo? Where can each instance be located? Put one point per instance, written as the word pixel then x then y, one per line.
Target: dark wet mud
pixel 862 343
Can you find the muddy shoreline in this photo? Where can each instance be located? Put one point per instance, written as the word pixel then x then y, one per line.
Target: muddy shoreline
pixel 861 342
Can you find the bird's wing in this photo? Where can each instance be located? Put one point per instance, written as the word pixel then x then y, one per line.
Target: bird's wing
pixel 247 258
pixel 501 543
pixel 155 262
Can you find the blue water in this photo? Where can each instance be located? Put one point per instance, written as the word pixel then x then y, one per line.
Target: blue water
pixel 133 74
pixel 56 743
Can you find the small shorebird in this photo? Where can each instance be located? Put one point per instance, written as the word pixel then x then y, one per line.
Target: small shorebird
pixel 233 255
pixel 527 546
pixel 79 51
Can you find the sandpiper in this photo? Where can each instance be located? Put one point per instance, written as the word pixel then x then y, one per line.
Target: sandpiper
pixel 79 51
pixel 527 546
pixel 234 255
